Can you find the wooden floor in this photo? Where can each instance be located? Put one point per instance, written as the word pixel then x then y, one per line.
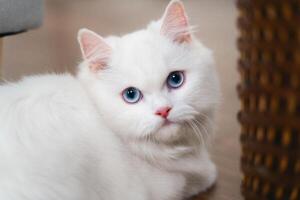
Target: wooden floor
pixel 54 48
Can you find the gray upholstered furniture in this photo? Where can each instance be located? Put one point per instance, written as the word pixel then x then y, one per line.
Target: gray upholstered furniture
pixel 19 15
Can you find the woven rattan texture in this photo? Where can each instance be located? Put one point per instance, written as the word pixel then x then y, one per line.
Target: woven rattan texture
pixel 269 92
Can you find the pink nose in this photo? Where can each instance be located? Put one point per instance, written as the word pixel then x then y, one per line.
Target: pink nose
pixel 163 112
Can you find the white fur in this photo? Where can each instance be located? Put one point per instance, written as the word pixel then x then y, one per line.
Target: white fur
pixel 74 138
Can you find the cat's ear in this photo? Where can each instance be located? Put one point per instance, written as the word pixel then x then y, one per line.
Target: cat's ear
pixel 94 49
pixel 175 23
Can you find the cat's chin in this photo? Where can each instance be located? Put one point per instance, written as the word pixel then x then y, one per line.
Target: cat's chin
pixel 168 131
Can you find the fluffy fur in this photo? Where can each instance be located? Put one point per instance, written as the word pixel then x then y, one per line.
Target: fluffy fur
pixel 74 138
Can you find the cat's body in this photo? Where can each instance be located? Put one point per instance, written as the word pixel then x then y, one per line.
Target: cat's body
pixel 74 138
pixel 53 146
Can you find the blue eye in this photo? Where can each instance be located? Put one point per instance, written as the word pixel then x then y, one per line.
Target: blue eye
pixel 175 79
pixel 131 95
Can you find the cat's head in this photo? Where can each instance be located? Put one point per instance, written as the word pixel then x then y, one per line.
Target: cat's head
pixel 151 82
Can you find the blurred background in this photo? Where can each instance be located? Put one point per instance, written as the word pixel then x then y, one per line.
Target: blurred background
pixel 54 48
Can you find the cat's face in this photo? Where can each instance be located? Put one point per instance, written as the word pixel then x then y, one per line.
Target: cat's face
pixel 151 82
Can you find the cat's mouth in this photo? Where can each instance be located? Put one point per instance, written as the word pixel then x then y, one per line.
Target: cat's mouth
pixel 167 123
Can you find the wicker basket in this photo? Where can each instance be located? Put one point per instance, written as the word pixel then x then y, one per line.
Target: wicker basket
pixel 269 91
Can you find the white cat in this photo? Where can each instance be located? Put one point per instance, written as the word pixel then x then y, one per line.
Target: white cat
pixel 131 125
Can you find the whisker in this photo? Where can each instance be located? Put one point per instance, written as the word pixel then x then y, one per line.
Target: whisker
pixel 195 131
pixel 203 128
pixel 210 121
pixel 200 128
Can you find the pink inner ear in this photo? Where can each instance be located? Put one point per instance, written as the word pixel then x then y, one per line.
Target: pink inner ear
pixel 94 49
pixel 175 23
pixel 89 43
